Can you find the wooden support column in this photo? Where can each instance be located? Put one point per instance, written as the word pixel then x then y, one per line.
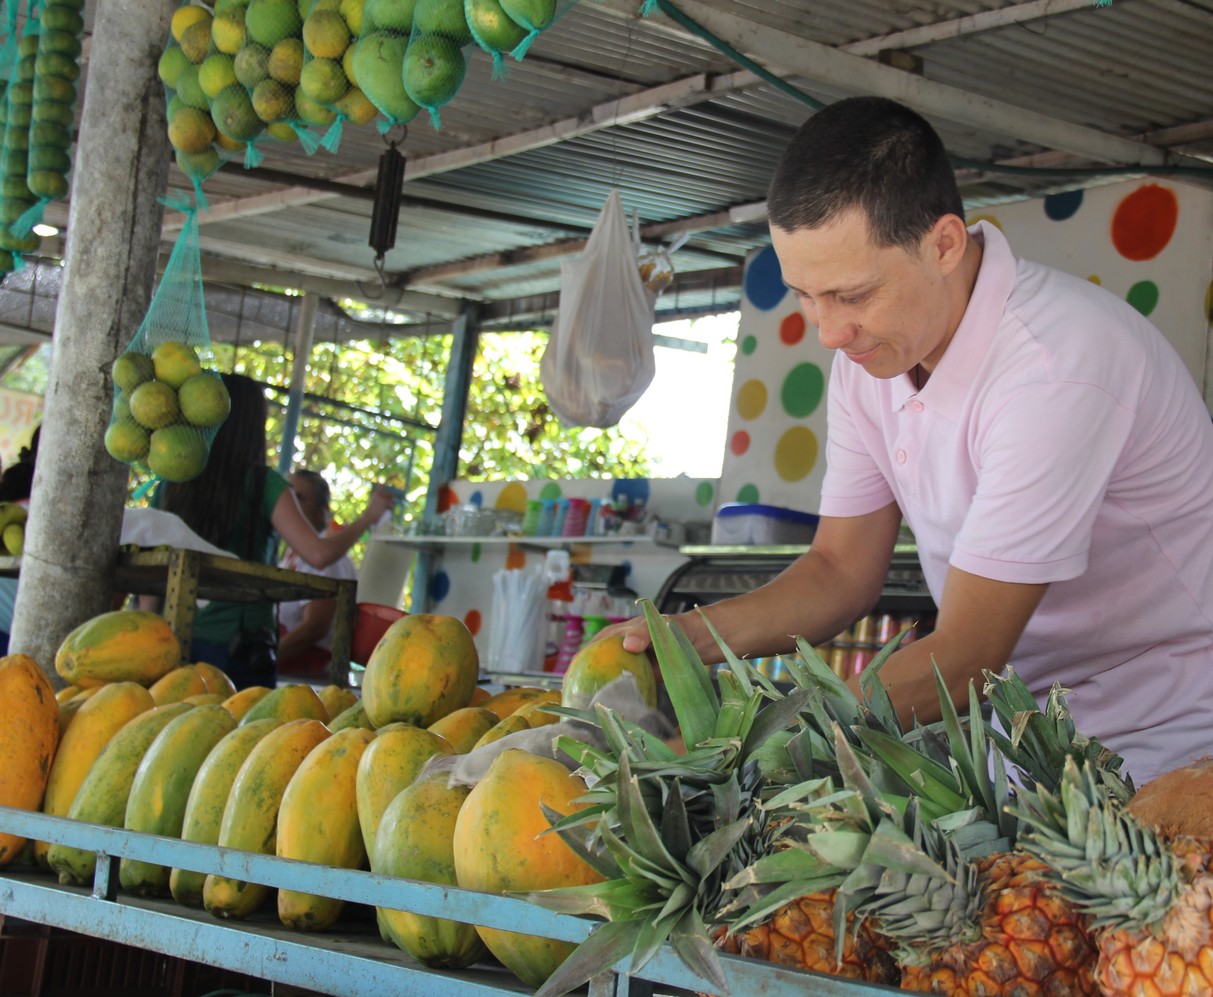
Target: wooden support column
pixel 113 240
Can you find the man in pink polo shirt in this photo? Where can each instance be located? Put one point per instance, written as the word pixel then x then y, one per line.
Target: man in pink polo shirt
pixel 1046 445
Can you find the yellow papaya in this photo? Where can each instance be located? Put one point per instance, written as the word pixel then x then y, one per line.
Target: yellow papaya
pixel 29 734
pixel 288 702
pixel 156 804
pixel 216 678
pixel 66 693
pixel 207 799
pixel 464 727
pixel 239 703
pixel 600 662
pixel 208 699
pixel 337 699
pixel 414 842
pixel 250 818
pixel 102 796
pixel 424 667
pixel 177 685
pixel 126 645
pixel 509 700
pixel 353 716
pixel 97 720
pixel 318 822
pixel 391 762
pixel 500 847
pixel 503 728
pixel 535 712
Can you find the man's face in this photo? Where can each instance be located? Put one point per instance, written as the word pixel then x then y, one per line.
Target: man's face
pixel 884 307
pixel 313 511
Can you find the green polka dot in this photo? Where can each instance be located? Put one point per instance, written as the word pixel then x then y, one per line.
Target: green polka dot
pixel 475 552
pixel 802 390
pixel 796 453
pixel 747 493
pixel 551 491
pixel 704 493
pixel 1143 296
pixel 751 399
pixel 749 344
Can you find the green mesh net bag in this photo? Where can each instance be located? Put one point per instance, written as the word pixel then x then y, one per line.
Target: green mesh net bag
pixel 377 59
pixel 508 27
pixel 327 84
pixel 167 405
pixel 434 61
pixel 18 56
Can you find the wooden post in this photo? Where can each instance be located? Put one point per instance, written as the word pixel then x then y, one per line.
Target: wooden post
pixel 113 240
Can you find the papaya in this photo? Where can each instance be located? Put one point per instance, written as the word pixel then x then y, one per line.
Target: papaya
pixel 126 645
pixel 29 734
pixel 97 720
pixel 66 693
pixel 464 727
pixel 390 764
pixel 535 712
pixel 67 713
pixel 414 842
pixel 156 804
pixel 503 728
pixel 424 667
pixel 336 699
pixel 500 847
pixel 239 703
pixel 479 695
pixel 250 817
pixel 599 663
pixel 318 822
pixel 509 700
pixel 102 796
pixel 353 716
pixel 208 699
pixel 216 678
pixel 288 702
pixel 177 685
pixel 208 796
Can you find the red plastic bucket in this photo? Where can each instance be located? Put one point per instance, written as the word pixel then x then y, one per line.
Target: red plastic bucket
pixel 370 624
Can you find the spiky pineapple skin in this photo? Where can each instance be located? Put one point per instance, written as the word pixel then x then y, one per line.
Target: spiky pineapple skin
pixel 1032 942
pixel 1177 959
pixel 801 934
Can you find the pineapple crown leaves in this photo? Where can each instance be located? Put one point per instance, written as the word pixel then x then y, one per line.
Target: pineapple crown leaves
pixel 1103 859
pixel 1041 740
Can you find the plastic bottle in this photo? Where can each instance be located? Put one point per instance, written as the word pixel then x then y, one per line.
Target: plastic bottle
pixel 560 600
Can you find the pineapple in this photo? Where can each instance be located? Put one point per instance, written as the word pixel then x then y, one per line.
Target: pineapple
pixel 1150 895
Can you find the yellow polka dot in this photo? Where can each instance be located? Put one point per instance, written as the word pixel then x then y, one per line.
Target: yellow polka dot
pixel 752 400
pixel 512 498
pixel 796 453
pixel 1094 279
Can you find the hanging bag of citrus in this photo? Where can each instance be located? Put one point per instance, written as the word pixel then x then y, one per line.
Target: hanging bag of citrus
pixel 167 405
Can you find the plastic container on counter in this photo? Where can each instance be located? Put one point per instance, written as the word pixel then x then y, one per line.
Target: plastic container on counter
pixel 750 523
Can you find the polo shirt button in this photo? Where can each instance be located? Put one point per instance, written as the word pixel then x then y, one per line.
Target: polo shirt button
pixel 901 456
pixel 916 405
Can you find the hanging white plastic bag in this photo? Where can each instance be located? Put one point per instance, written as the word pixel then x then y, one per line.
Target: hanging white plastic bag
pixel 599 359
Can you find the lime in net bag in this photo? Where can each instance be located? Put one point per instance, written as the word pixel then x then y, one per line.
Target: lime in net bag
pixel 377 59
pixel 167 405
pixel 434 61
pixel 17 57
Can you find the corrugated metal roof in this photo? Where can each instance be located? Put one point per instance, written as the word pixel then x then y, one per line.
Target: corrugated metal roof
pixel 585 111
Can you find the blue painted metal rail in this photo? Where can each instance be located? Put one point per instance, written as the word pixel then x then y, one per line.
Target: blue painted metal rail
pixel 344 964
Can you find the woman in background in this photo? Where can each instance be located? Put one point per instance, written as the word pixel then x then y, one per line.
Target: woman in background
pixel 243 506
pixel 16 483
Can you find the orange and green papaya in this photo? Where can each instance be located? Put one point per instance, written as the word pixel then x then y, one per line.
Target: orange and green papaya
pixel 462 728
pixel 297 701
pixel 390 763
pixel 424 667
pixel 29 734
pixel 599 663
pixel 126 645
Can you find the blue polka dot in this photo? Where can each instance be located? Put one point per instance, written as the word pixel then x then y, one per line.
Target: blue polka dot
pixel 440 586
pixel 477 498
pixel 633 489
pixel 1059 207
pixel 764 285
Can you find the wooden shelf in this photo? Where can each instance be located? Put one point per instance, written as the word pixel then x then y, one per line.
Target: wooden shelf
pixel 438 542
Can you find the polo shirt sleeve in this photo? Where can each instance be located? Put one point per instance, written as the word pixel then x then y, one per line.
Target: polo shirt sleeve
pixel 854 483
pixel 1044 461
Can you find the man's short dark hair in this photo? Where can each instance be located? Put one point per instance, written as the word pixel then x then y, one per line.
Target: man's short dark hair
pixel 869 153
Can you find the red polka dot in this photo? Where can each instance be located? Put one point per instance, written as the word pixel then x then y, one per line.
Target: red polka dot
pixel 447 498
pixel 515 558
pixel 1144 222
pixel 791 329
pixel 740 442
pixel 472 621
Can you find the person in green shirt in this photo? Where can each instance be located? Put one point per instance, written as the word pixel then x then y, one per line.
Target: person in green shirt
pixel 243 506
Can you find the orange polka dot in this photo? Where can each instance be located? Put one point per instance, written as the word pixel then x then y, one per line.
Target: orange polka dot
pixel 515 558
pixel 740 442
pixel 447 498
pixel 1144 222
pixel 791 329
pixel 472 621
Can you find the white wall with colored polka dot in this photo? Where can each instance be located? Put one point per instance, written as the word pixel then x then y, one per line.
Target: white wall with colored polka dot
pixel 1150 242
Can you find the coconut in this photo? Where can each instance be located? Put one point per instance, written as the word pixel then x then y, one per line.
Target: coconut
pixel 1179 802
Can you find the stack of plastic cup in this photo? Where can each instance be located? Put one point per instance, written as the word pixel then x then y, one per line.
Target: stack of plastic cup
pixel 530 521
pixel 574 521
pixel 562 512
pixel 547 517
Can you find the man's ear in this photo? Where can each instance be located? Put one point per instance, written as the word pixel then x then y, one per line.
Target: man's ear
pixel 947 241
